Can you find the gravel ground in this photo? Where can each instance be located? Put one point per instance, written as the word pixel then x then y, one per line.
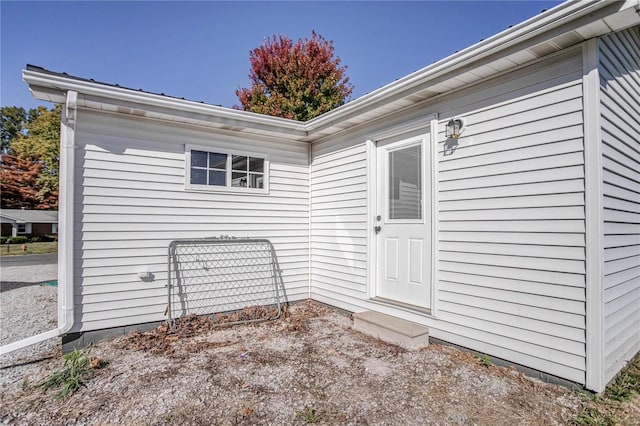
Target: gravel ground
pixel 309 366
pixel 26 309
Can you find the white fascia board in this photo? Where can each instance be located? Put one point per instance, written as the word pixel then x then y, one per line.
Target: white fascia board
pixel 527 30
pixel 7 218
pixel 46 86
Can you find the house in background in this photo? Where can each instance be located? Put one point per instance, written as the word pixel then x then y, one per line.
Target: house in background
pixel 493 196
pixel 36 223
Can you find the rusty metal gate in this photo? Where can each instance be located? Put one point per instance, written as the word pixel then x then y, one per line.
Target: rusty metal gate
pixel 221 275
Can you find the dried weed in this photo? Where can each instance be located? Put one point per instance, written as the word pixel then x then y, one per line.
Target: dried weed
pixel 160 341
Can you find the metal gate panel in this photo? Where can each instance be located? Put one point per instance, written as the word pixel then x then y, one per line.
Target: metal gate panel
pixel 215 275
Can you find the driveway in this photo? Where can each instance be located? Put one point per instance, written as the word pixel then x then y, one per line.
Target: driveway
pixel 20 271
pixel 27 309
pixel 29 260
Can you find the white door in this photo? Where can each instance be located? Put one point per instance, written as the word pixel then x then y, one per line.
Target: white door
pixel 401 224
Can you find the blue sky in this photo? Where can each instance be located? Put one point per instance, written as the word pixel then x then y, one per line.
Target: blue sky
pixel 200 50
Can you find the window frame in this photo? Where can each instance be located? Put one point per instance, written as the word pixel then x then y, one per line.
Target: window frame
pixel 228 171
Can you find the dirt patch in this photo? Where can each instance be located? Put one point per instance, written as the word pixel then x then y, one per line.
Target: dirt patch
pixel 163 339
pixel 308 366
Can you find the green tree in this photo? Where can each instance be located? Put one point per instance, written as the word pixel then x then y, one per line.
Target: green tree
pixel 41 139
pixel 39 142
pixel 298 81
pixel 12 122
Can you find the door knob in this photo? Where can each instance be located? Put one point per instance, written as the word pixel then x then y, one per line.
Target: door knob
pixel 377 229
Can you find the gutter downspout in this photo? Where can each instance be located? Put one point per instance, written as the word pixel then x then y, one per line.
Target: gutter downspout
pixel 310 216
pixel 65 231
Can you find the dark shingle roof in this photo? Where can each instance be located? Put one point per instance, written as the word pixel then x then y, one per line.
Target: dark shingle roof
pixel 37 68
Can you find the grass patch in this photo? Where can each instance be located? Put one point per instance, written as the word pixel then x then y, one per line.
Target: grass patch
pixel 308 415
pixel 626 384
pixel 606 409
pixel 32 248
pixel 596 416
pixel 485 360
pixel 74 373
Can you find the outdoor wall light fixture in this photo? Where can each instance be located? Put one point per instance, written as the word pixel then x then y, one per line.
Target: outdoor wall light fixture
pixel 455 126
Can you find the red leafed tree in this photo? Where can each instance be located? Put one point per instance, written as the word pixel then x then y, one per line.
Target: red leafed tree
pixel 298 81
pixel 19 188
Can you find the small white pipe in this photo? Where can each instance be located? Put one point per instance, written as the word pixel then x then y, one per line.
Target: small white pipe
pixel 65 231
pixel 28 341
pixel 309 219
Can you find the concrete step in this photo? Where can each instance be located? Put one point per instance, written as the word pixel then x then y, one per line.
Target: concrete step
pixel 406 334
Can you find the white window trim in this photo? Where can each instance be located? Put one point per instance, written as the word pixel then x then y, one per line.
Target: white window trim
pixel 228 188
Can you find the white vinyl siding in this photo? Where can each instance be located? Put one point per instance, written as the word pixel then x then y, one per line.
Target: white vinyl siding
pixel 511 219
pixel 339 222
pixel 509 198
pixel 131 203
pixel 619 69
pixel 511 209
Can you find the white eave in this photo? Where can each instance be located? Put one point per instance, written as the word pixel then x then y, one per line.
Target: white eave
pixel 53 87
pixel 563 26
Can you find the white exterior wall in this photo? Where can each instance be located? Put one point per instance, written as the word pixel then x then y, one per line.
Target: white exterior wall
pixel 511 210
pixel 510 280
pixel 131 202
pixel 509 202
pixel 619 56
pixel 339 223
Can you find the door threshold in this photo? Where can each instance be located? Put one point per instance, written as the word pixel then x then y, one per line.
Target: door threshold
pixel 401 305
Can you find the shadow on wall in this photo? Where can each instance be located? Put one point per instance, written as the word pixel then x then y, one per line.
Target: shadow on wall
pixel 450 146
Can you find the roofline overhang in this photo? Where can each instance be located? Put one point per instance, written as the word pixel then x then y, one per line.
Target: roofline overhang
pixel 544 23
pixel 17 220
pixel 50 86
pixel 56 86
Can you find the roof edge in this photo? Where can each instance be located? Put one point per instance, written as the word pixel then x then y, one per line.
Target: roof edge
pixel 38 77
pixel 57 84
pixel 533 27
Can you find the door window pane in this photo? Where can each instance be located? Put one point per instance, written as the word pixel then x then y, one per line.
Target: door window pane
pixel 405 183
